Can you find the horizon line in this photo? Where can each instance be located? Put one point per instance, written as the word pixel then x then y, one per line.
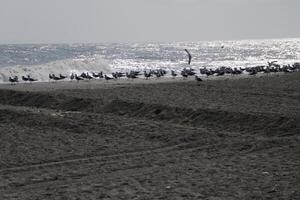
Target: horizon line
pixel 151 42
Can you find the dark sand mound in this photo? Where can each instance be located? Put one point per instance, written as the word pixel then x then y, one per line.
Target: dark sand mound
pixel 46 100
pixel 224 120
pixel 223 139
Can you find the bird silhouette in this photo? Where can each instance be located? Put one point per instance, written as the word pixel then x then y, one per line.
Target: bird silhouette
pixel 78 78
pixel 107 77
pixel 173 74
pixel 24 78
pixel 198 79
pixel 189 55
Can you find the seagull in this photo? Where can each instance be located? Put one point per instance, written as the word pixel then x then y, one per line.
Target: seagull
pixel 50 77
pixel 95 75
pixel 190 72
pixel 55 77
pixel 147 75
pixel 190 57
pixel 253 72
pixel 31 79
pixel 24 78
pixel 72 76
pixel 198 79
pixel 184 74
pixel 115 75
pixel 100 75
pixel 158 75
pixel 272 63
pixel 78 78
pixel 107 77
pixel 173 74
pixel 131 75
pixel 62 77
pixel 16 79
pixel 13 80
pixel 88 76
pixel 120 74
pixel 83 75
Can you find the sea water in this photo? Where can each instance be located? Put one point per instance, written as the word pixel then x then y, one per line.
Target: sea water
pixel 40 60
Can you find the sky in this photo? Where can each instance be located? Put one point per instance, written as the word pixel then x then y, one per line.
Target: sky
pixel 109 21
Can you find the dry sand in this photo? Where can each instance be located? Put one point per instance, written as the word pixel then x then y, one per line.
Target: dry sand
pixel 162 139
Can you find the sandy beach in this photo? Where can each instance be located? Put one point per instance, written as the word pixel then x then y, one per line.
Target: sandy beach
pixel 228 138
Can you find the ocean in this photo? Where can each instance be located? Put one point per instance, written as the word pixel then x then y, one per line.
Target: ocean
pixel 38 60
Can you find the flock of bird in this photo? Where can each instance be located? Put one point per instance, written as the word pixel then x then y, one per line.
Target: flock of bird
pixel 272 67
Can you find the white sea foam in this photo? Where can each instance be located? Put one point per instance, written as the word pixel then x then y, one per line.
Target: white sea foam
pixel 64 67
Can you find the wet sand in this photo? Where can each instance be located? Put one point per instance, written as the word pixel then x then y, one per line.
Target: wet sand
pixel 231 138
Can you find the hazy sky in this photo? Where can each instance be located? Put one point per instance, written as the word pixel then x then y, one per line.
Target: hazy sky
pixel 69 21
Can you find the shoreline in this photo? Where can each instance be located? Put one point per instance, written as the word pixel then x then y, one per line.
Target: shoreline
pixel 100 83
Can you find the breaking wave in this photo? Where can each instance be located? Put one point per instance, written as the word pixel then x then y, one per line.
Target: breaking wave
pixel 64 67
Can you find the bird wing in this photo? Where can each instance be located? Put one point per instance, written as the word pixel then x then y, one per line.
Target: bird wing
pixel 190 56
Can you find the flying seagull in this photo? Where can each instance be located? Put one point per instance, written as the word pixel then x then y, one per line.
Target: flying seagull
pixel 272 63
pixel 190 57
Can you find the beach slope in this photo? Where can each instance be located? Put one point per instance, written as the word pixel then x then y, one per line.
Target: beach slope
pixel 217 139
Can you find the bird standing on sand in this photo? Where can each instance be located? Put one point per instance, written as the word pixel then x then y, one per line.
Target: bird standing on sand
pixel 50 77
pixel 190 56
pixel 107 77
pixel 13 80
pixel 88 76
pixel 78 78
pixel 55 77
pixel 62 77
pixel 132 75
pixel 31 79
pixel 72 76
pixel 173 74
pixel 95 75
pixel 24 78
pixel 101 75
pixel 147 75
pixel 184 74
pixel 198 79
